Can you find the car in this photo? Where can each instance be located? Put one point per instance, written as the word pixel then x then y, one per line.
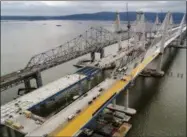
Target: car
pixel 78 111
pixel 94 98
pixel 85 95
pixel 101 89
pixel 123 79
pixel 90 102
pixel 71 117
pixel 75 97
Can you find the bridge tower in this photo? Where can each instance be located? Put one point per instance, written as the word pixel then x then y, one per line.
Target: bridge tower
pixel 118 30
pixel 156 24
pixel 180 30
pixel 139 15
pixel 139 29
pixel 155 67
pixel 166 24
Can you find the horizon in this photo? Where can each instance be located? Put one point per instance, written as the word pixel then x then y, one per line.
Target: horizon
pixel 64 8
pixel 88 13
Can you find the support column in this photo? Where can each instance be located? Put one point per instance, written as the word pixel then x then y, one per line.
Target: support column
pixel 12 132
pixel 4 131
pixel 126 101
pixel 102 53
pixel 123 108
pixel 27 83
pixel 159 65
pixel 114 103
pixel 38 79
pixel 9 131
pixel 92 56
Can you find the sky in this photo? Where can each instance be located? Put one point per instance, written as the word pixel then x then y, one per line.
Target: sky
pixel 56 8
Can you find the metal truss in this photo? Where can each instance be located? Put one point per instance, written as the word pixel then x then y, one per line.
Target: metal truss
pixel 91 40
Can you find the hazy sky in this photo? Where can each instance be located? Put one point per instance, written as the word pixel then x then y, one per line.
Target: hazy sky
pixel 76 7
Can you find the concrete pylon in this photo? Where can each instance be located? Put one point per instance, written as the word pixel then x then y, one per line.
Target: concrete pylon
pixel 102 53
pixel 139 28
pixel 27 84
pixel 118 30
pixel 126 101
pixel 171 20
pixel 180 30
pixel 156 24
pixel 38 80
pixel 138 15
pixel 114 103
pixel 92 56
pixel 165 25
pixel 157 21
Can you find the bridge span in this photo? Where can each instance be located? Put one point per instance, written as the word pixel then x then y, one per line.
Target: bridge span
pixel 109 94
pixel 91 41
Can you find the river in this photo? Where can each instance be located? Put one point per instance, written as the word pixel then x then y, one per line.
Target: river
pixel 160 102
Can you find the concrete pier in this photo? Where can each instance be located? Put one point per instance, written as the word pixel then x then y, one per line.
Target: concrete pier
pixel 102 53
pixel 38 79
pixel 92 56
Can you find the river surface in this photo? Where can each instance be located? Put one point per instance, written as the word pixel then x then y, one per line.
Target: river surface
pixel 160 102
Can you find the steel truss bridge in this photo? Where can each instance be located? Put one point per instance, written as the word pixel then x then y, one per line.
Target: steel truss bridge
pixel 92 40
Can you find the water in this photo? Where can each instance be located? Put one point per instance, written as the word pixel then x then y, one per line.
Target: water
pixel 160 102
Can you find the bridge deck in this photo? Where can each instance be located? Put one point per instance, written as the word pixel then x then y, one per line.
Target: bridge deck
pixel 62 117
pixel 76 124
pixel 71 128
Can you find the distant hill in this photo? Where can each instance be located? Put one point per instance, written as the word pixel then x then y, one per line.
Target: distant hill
pixel 104 16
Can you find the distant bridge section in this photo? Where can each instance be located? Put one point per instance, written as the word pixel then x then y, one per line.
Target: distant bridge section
pixel 92 40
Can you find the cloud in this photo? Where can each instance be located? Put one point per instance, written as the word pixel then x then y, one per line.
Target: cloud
pixel 75 7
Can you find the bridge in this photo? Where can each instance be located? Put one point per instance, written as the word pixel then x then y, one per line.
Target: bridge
pixel 91 41
pixel 123 82
pixel 129 63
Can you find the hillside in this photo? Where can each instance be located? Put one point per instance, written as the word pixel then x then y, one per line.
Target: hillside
pixel 96 16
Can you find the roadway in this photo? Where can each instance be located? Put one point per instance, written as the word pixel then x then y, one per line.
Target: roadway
pixel 72 127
